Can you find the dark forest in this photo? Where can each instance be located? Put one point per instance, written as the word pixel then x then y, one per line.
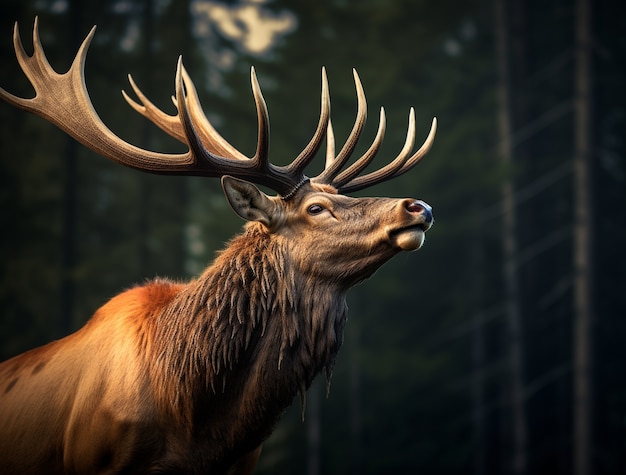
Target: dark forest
pixel 498 348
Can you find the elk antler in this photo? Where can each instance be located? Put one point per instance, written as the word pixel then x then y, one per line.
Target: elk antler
pixel 348 180
pixel 63 100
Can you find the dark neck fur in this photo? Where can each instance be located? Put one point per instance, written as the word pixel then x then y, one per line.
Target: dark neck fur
pixel 251 326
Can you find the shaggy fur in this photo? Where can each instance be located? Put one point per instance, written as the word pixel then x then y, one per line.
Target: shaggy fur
pixel 250 306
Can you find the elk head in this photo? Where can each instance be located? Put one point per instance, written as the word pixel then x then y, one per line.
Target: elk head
pixel 364 232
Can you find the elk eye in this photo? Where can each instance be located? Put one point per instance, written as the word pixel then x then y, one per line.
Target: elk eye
pixel 315 209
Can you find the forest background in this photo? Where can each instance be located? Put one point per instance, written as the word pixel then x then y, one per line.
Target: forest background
pixel 496 349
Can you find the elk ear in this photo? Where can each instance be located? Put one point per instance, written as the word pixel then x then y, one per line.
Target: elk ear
pixel 248 201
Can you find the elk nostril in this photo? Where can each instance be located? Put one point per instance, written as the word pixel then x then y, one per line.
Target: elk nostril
pixel 414 207
pixel 420 208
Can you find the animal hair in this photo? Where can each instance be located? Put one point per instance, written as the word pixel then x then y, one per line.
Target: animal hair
pixel 251 303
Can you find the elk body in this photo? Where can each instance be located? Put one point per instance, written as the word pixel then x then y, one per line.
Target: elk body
pixel 191 378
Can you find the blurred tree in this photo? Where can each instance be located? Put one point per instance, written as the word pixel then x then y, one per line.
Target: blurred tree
pixel 69 235
pixel 583 264
pixel 514 334
pixel 30 194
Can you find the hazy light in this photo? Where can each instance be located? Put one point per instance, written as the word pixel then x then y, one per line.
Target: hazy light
pixel 253 27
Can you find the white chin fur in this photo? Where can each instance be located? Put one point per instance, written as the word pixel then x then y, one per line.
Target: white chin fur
pixel 410 240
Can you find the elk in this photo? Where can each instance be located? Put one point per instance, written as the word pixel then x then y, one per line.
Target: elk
pixel 192 377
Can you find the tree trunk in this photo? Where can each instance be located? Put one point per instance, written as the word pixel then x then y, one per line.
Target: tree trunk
pixel 145 180
pixel 582 236
pixel 356 422
pixel 478 360
pixel 68 251
pixel 314 428
pixel 510 246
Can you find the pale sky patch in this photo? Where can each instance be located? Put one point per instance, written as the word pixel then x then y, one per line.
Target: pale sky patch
pixel 255 28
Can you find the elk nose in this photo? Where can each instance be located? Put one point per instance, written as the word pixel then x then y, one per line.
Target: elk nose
pixel 419 208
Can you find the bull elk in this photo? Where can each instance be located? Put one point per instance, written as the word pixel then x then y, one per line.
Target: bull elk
pixel 191 378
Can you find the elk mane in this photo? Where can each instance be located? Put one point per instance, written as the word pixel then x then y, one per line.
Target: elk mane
pixel 251 300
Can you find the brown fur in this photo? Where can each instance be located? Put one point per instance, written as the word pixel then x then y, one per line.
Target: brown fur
pixel 191 378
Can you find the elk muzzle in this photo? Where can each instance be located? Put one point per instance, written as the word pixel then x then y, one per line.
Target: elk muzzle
pixel 416 219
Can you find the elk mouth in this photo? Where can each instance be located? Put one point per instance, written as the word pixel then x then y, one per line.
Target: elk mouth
pixel 409 238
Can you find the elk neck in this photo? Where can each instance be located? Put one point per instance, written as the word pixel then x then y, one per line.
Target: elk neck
pixel 250 323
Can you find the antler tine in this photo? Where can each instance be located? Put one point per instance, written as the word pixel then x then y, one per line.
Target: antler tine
pixel 210 137
pixel 335 165
pixel 400 165
pixel 263 138
pixel 211 164
pixel 36 68
pixel 330 145
pixel 172 125
pixel 63 100
pixel 309 152
pixel 23 60
pixel 358 166
pixel 38 58
pixel 257 169
pixel 423 150
pixel 168 123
